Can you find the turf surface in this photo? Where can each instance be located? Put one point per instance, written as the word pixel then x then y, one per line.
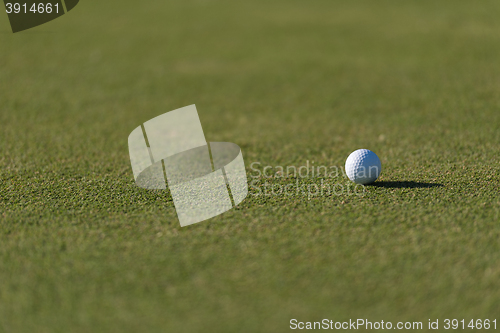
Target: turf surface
pixel 82 249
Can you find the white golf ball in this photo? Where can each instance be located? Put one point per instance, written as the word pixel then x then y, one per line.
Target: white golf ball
pixel 363 166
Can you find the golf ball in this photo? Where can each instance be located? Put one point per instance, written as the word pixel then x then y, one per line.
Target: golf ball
pixel 363 166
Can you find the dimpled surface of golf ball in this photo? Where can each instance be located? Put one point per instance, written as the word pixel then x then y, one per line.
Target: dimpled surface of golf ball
pixel 363 166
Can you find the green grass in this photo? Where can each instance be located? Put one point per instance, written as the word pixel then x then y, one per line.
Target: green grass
pixel 82 249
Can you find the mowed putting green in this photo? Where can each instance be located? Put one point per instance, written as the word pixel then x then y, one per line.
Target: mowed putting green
pixel 82 249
